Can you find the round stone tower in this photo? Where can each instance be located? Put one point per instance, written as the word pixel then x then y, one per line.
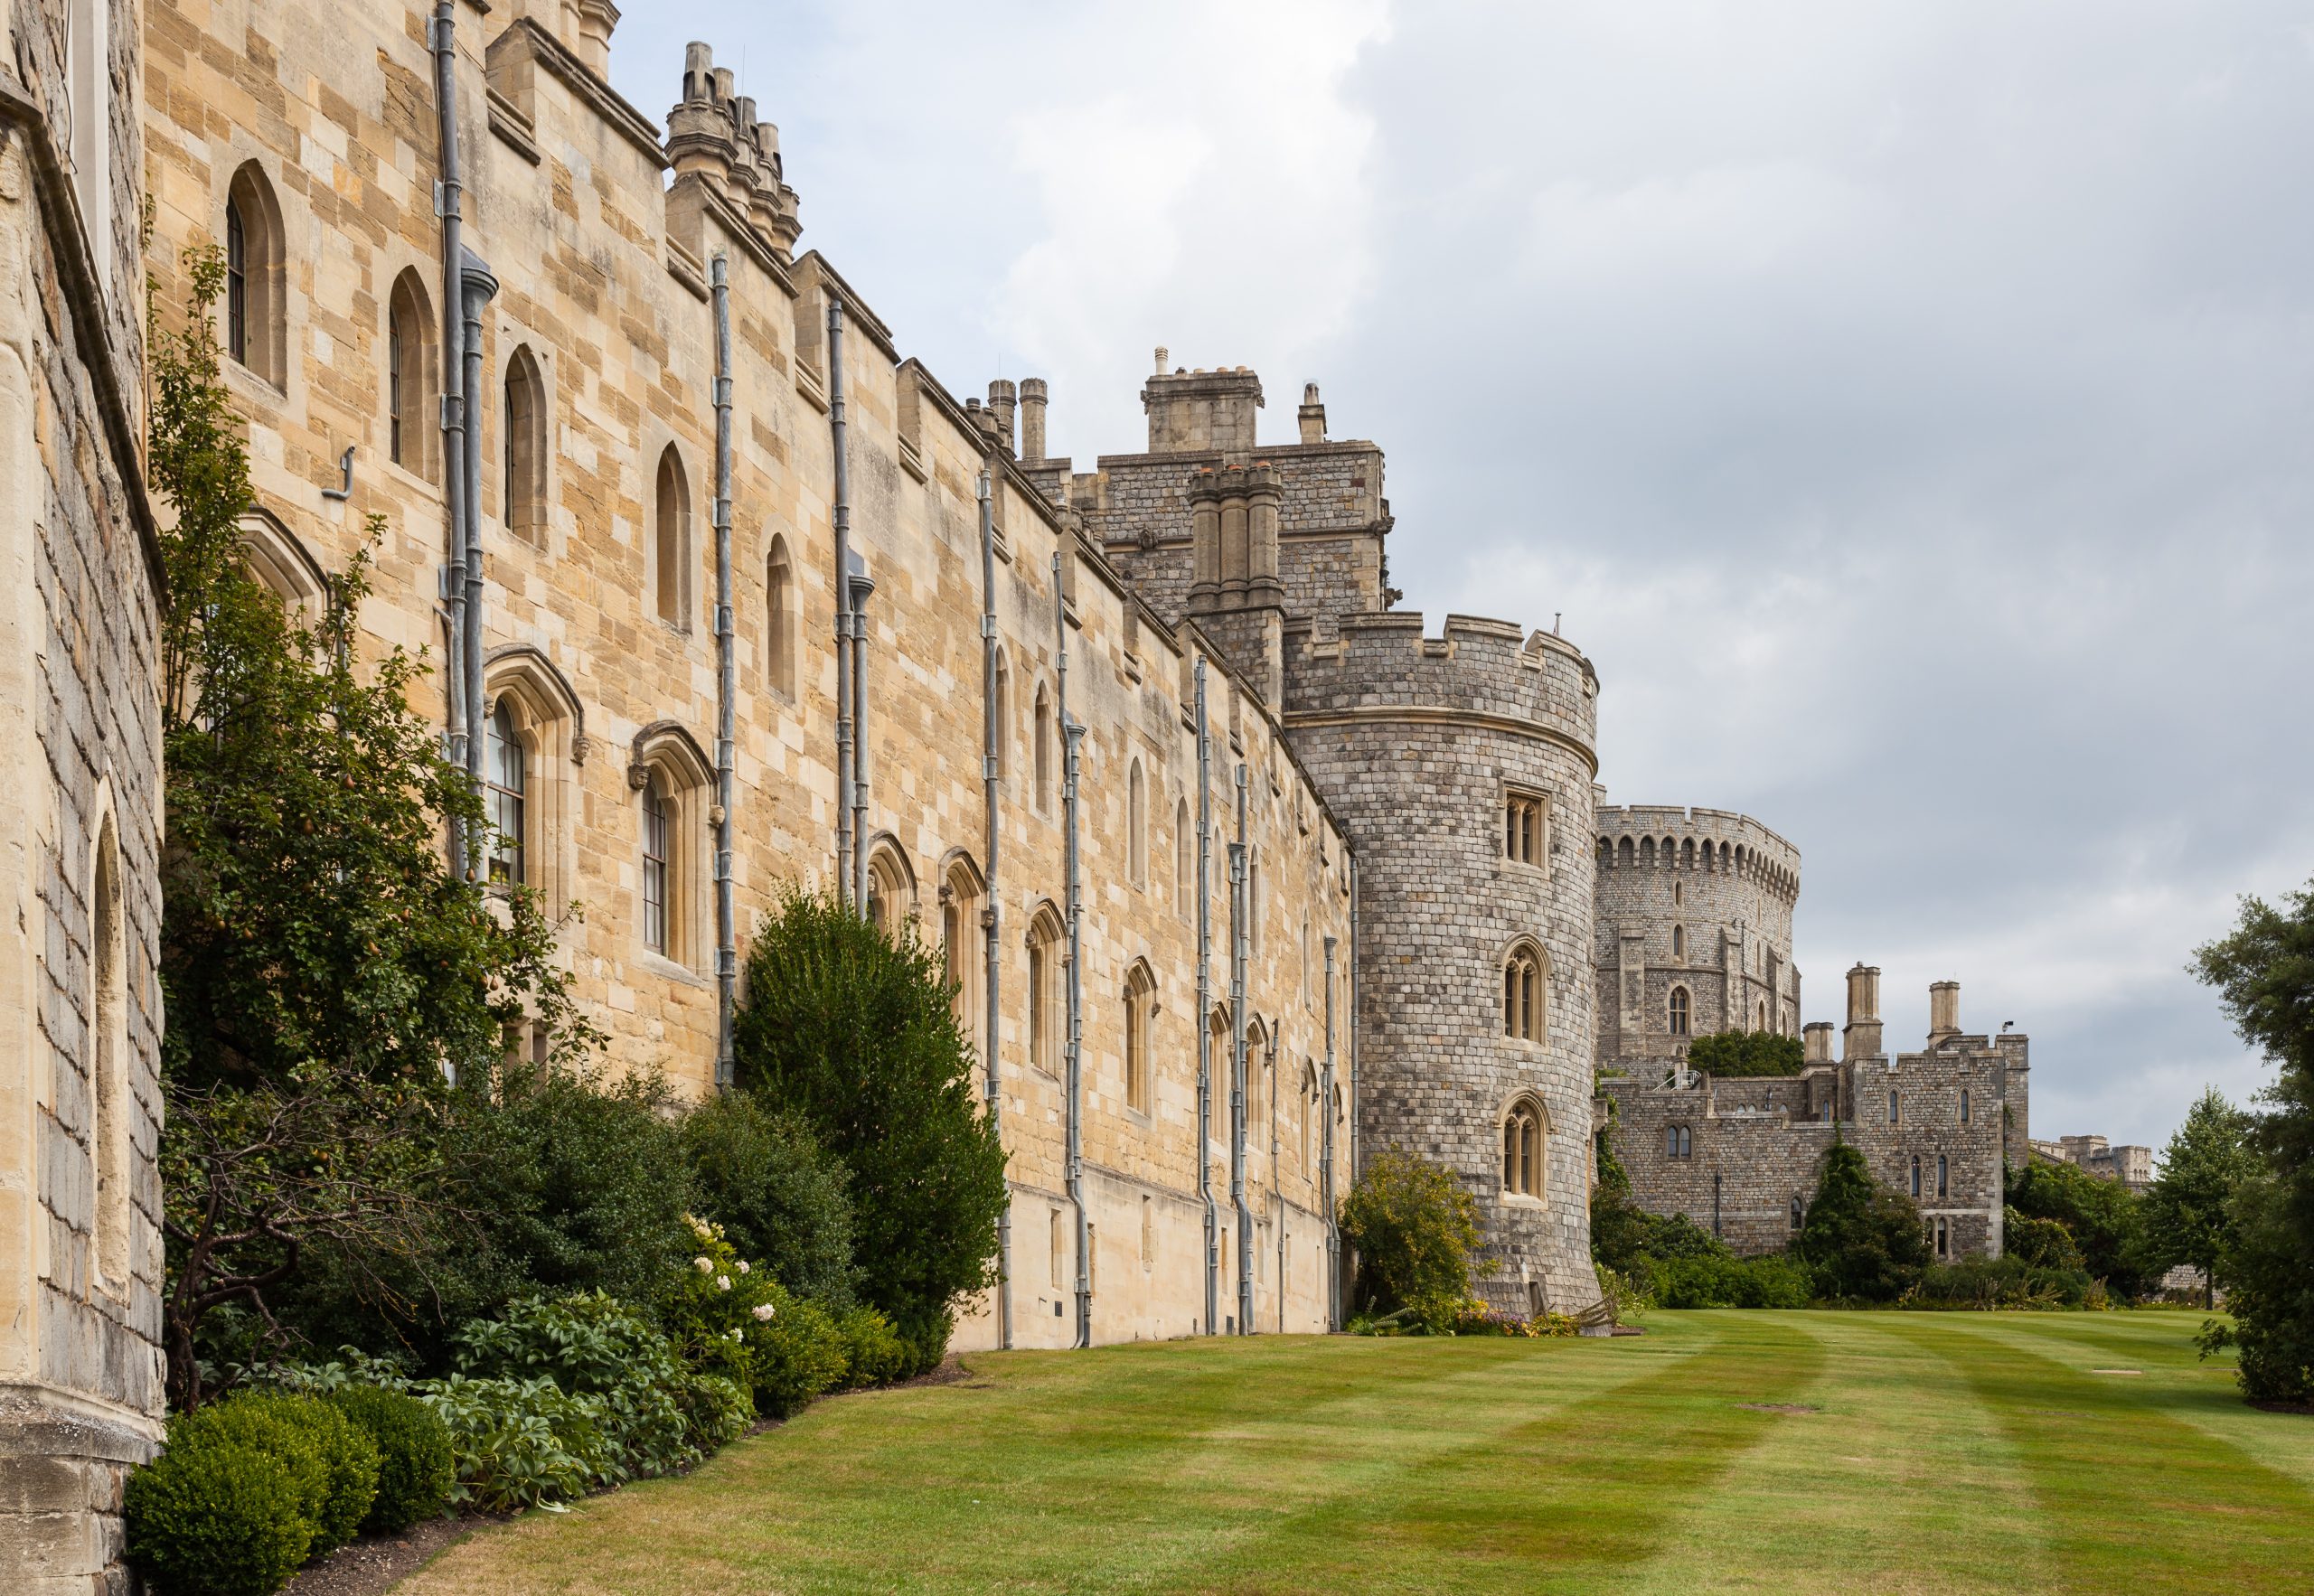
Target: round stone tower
pixel 1694 929
pixel 1463 766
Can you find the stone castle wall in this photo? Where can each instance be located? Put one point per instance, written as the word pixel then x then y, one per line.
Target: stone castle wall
pixel 1419 742
pixel 80 1257
pixel 603 263
pixel 1697 902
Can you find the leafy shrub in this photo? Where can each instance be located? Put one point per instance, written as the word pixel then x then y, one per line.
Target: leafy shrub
pixel 1748 1053
pixel 782 1198
pixel 854 1033
pixel 517 1443
pixel 716 1411
pixel 215 1516
pixel 2007 1281
pixel 1627 1295
pixel 873 1352
pixel 331 1464
pixel 2045 1244
pixel 416 1470
pixel 1862 1240
pixel 1720 1280
pixel 800 1355
pixel 2105 1219
pixel 593 1345
pixel 1415 1227
pixel 718 1309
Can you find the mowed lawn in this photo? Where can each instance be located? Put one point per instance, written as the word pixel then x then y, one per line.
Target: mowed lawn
pixel 1947 1452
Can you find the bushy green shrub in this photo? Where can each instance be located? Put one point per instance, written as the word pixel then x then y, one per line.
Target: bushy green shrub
pixel 2007 1281
pixel 416 1470
pixel 331 1464
pixel 855 1033
pixel 783 1199
pixel 593 1345
pixel 1862 1240
pixel 2045 1244
pixel 717 1310
pixel 873 1352
pixel 1721 1280
pixel 516 1443
pixel 800 1355
pixel 1415 1227
pixel 2105 1219
pixel 1730 1053
pixel 215 1515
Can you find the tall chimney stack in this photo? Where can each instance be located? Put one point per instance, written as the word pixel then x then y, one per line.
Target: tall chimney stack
pixel 1943 1010
pixel 1003 398
pixel 1312 414
pixel 1032 418
pixel 1818 1036
pixel 1861 1038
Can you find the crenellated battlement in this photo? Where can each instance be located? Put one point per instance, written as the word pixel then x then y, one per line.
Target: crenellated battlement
pixel 712 134
pixel 1666 837
pixel 1369 666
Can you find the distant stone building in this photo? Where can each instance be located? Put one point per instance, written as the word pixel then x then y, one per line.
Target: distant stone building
pixel 81 1261
pixel 2130 1164
pixel 1741 1157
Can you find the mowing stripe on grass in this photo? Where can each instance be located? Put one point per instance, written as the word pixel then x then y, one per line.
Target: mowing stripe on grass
pixel 1900 1482
pixel 2130 1496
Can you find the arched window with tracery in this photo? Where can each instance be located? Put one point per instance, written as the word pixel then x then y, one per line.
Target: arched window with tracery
pixel 1136 825
pixel 1680 1016
pixel 891 888
pixel 522 448
pixel 505 774
pixel 1048 1002
pixel 672 542
pixel 960 938
pixel 1524 1149
pixel 256 334
pixel 779 618
pixel 1139 1005
pixel 413 432
pixel 1525 994
pixel 657 855
pixel 675 782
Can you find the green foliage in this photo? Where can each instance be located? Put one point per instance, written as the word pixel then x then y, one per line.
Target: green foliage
pixel 2189 1211
pixel 1862 1242
pixel 779 1195
pixel 416 1470
pixel 802 1354
pixel 321 966
pixel 333 1464
pixel 593 1345
pixel 517 1443
pixel 1720 1280
pixel 852 1032
pixel 873 1352
pixel 2008 1281
pixel 2041 1243
pixel 729 1318
pixel 2105 1219
pixel 1729 1054
pixel 1414 1228
pixel 213 1516
pixel 1626 1294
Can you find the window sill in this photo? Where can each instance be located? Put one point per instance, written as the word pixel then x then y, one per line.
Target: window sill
pixel 1520 1199
pixel 682 974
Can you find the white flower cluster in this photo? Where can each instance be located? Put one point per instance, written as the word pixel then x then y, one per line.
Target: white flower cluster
pixel 762 1310
pixel 704 1266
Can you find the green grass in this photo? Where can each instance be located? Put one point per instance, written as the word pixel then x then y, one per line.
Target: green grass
pixel 1950 1452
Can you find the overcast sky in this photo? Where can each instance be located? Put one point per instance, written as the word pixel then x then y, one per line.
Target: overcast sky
pixel 1910 407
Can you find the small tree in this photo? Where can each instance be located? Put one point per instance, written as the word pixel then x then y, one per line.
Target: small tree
pixel 1748 1053
pixel 780 1196
pixel 1862 1240
pixel 2189 1211
pixel 1414 1228
pixel 2105 1219
pixel 2264 974
pixel 852 1032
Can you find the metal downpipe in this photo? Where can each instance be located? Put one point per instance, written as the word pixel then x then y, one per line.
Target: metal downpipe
pixel 1205 1012
pixel 860 586
pixel 990 919
pixel 1276 1185
pixel 1237 955
pixel 727 690
pixel 1326 1156
pixel 477 288
pixel 840 518
pixel 443 42
pixel 1072 736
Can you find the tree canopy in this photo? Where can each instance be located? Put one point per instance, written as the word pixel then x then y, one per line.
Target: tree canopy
pixel 1862 1240
pixel 1748 1053
pixel 2189 1211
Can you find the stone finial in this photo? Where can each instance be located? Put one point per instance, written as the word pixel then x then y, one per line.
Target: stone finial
pixel 1032 418
pixel 596 18
pixel 1003 402
pixel 698 129
pixel 1312 414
